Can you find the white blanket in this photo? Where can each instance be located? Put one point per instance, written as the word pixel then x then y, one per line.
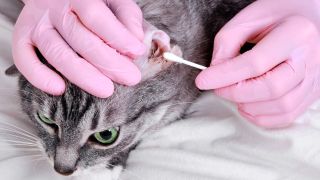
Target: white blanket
pixel 214 144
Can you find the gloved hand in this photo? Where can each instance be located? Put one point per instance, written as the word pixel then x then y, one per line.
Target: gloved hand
pixel 279 78
pixel 90 42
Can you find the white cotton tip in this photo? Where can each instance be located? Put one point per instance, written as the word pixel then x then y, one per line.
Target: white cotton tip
pixel 174 58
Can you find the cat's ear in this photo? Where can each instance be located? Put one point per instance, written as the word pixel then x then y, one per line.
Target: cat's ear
pixel 12 71
pixel 157 42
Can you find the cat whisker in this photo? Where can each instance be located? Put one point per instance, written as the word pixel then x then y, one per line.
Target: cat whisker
pixel 2 145
pixel 18 144
pixel 21 135
pixel 37 161
pixel 12 142
pixel 17 115
pixel 13 127
pixel 33 156
pixel 23 156
pixel 23 149
pixel 40 156
pixel 15 140
pixel 17 136
pixel 12 133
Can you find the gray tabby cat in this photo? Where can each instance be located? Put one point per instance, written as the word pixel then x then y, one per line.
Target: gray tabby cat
pixel 79 131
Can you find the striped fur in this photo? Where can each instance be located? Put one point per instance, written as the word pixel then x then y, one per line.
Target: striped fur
pixel 137 110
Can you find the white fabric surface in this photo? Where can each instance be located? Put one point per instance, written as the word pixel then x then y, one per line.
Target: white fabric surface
pixel 214 144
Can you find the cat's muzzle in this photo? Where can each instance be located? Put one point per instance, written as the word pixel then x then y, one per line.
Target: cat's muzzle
pixel 65 171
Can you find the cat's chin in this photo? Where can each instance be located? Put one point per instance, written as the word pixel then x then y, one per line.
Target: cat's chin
pixel 98 173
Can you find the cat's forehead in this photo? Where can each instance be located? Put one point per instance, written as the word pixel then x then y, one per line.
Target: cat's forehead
pixel 76 108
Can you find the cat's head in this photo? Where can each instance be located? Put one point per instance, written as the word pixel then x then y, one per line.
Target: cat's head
pixel 78 131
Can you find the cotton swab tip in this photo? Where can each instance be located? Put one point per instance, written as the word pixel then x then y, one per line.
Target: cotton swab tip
pixel 174 58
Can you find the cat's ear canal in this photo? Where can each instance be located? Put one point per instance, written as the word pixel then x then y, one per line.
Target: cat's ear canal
pixel 157 42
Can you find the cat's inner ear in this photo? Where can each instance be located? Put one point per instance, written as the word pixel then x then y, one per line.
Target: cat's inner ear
pixel 157 42
pixel 12 71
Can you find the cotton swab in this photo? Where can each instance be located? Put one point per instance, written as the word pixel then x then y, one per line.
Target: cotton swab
pixel 174 58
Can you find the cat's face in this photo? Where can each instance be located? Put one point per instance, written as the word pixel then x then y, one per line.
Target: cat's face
pixel 78 131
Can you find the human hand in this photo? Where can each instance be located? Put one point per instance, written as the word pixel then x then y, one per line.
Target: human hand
pixel 278 79
pixel 90 42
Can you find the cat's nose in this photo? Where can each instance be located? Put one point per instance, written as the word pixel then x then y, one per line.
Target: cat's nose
pixel 64 170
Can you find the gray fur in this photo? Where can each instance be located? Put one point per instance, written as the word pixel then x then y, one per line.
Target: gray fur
pixel 10 8
pixel 138 110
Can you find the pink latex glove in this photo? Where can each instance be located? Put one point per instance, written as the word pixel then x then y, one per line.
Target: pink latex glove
pixel 88 41
pixel 279 78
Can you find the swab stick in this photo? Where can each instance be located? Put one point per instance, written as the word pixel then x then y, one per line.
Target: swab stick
pixel 173 58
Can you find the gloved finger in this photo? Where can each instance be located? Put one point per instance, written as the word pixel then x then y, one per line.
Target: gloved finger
pixel 111 63
pixel 275 48
pixel 281 120
pixel 282 105
pixel 67 62
pixel 271 85
pixel 245 26
pixel 28 63
pixel 33 70
pixel 129 14
pixel 97 17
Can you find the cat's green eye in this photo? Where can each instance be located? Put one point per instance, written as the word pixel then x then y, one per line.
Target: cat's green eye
pixel 45 119
pixel 107 137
